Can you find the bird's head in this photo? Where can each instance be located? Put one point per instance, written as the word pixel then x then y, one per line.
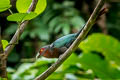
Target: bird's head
pixel 42 51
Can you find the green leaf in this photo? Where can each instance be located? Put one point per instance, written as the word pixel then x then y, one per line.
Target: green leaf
pixel 57 28
pixel 66 28
pixel 23 5
pixel 43 61
pixel 72 60
pixel 100 67
pixel 21 16
pixel 4 5
pixel 107 45
pixel 77 22
pixel 33 69
pixel 41 31
pixel 56 76
pixel 54 22
pixel 4 43
pixel 40 7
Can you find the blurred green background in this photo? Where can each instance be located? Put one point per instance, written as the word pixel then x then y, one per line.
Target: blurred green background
pixel 98 56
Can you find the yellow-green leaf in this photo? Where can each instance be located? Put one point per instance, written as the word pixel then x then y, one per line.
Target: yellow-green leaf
pixel 23 5
pixel 40 7
pixel 4 43
pixel 4 5
pixel 21 16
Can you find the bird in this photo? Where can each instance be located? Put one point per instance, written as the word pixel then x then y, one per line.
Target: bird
pixel 58 47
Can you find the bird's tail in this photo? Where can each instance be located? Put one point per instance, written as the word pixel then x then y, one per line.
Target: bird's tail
pixel 103 11
pixel 79 31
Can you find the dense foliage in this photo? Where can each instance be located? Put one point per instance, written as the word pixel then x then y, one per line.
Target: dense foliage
pixel 97 57
pixel 95 61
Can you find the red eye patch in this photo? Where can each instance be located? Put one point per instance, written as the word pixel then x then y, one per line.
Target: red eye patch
pixel 41 50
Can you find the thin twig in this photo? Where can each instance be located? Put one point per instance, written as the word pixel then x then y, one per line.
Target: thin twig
pixel 75 44
pixel 19 30
pixel 10 11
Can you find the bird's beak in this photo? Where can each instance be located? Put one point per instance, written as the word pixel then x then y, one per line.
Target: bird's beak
pixel 38 55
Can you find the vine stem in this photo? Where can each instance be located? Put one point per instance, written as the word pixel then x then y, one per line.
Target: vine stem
pixel 75 44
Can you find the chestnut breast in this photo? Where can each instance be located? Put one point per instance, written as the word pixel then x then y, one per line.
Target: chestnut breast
pixel 52 54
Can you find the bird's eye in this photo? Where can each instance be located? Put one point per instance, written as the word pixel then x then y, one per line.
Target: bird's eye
pixel 41 50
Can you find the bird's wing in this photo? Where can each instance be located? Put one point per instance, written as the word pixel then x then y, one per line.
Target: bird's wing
pixel 63 41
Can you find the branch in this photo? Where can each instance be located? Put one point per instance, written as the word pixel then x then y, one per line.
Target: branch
pixel 3 72
pixel 1 46
pixel 75 44
pixel 19 30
